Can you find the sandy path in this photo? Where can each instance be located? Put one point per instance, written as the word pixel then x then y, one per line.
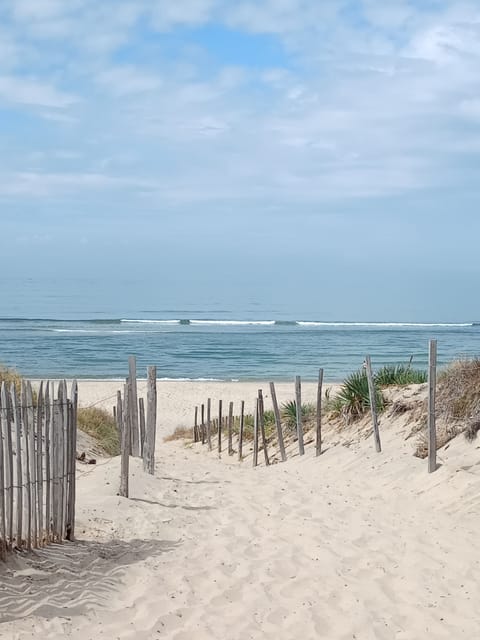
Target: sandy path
pixel 351 545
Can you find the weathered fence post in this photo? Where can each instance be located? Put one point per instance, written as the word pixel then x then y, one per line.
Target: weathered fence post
pixel 373 403
pixel 209 424
pixel 255 434
pixel 298 406
pixel 195 426
pixel 125 446
pixel 230 429
pixel 432 427
pixel 261 419
pixel 318 449
pixel 240 432
pixel 219 426
pixel 278 422
pixel 141 424
pixel 202 424
pixel 133 405
pixel 151 426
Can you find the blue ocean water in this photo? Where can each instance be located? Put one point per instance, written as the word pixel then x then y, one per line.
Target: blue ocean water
pixel 226 346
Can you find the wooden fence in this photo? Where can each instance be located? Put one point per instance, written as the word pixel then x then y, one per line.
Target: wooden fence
pixel 37 465
pixel 204 430
pixel 136 426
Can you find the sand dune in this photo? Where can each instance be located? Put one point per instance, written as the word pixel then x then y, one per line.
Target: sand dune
pixel 353 544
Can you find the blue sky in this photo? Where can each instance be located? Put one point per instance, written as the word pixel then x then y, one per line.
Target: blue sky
pixel 245 152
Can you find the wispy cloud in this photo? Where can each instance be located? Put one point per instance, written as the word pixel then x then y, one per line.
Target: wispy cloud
pixel 368 99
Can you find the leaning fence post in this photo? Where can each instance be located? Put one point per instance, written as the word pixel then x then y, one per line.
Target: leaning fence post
pixel 133 405
pixel 240 434
pixel 219 426
pixel 373 403
pixel 261 420
pixel 298 406
pixel 278 422
pixel 319 413
pixel 432 429
pixel 195 426
pixel 209 424
pixel 151 426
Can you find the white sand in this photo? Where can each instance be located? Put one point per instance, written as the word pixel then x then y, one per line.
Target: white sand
pixel 351 545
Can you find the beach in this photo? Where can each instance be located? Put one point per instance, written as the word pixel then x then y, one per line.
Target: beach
pixel 351 544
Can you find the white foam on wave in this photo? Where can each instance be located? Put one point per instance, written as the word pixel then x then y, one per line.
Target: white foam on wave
pixel 152 321
pixel 233 322
pixel 385 324
pixel 191 380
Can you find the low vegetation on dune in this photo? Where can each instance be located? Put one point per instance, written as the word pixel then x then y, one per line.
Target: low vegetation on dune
pixel 457 405
pixel 399 375
pixel 10 376
pixel 353 399
pixel 101 425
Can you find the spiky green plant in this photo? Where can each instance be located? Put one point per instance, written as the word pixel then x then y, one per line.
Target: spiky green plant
pixel 399 375
pixel 288 413
pixel 353 398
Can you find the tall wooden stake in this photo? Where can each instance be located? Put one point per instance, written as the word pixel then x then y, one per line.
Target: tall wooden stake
pixel 298 401
pixel 278 422
pixel 373 403
pixel 318 449
pixel 432 429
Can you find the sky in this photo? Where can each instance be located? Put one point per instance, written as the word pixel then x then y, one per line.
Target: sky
pixel 318 155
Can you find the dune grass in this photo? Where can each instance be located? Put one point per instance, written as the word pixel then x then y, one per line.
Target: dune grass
pixel 399 375
pixel 353 398
pixel 10 376
pixel 101 425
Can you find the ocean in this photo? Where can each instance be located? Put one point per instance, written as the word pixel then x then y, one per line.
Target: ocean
pixel 226 347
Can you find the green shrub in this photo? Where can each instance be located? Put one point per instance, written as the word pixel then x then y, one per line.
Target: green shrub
pixel 101 425
pixel 399 374
pixel 353 399
pixel 288 413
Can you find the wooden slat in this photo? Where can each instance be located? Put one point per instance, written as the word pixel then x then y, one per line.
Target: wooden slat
pixel 48 461
pixel 9 471
pixel 373 403
pixel 33 465
pixel 318 447
pixel 17 415
pixel 278 422
pixel 39 461
pixel 27 478
pixel 3 515
pixel 73 487
pixel 195 426
pixel 298 401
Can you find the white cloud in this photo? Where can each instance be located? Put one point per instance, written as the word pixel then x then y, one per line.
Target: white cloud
pixel 31 91
pixel 128 80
